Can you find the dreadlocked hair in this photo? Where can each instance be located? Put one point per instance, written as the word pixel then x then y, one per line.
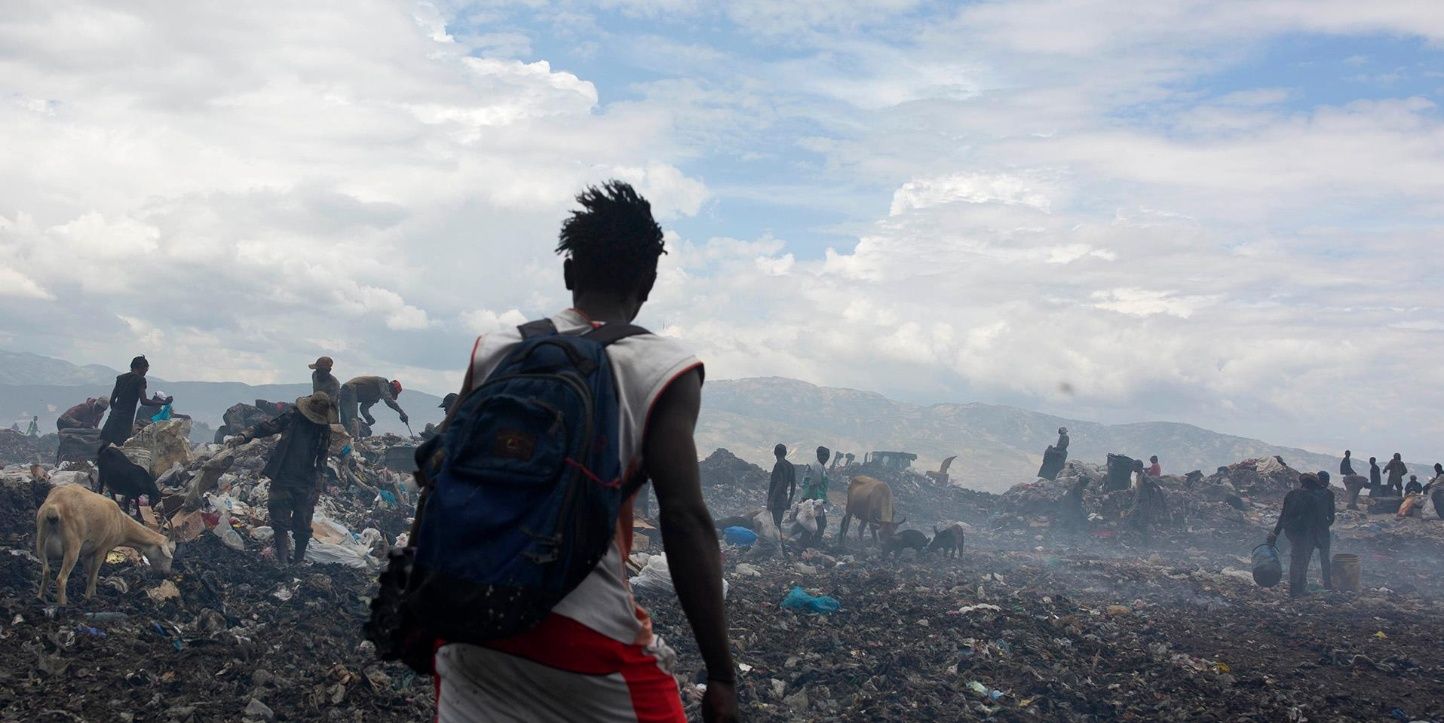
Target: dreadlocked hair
pixel 612 240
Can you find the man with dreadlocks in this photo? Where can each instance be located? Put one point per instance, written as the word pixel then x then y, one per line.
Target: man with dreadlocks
pixel 594 656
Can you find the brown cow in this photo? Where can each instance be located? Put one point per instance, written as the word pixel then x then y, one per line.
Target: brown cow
pixel 870 501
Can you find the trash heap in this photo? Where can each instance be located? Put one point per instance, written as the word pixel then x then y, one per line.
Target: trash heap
pixel 1259 478
pixel 1016 629
pixel 17 448
pixel 1018 636
pixel 1238 498
pixel 734 486
pixel 229 635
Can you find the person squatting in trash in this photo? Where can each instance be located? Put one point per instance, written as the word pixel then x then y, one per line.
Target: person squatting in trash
pixel 365 392
pixel 595 657
pixel 129 392
pixel 783 486
pixel 295 468
pixel 85 415
pixel 1307 514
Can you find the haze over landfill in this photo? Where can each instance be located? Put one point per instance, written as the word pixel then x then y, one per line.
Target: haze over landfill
pixel 1008 360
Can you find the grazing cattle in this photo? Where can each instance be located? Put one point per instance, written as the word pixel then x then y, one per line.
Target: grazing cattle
pixel 870 501
pixel 948 538
pixel 119 475
pixel 75 522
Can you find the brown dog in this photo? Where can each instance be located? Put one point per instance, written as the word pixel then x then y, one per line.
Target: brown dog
pixel 76 522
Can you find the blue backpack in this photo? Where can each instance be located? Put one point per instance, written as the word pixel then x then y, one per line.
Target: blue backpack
pixel 524 486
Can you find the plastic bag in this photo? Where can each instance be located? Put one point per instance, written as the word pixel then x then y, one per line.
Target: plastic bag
pixel 163 415
pixel 228 535
pixel 1267 570
pixel 739 536
pixel 800 601
pixel 325 553
pixel 656 576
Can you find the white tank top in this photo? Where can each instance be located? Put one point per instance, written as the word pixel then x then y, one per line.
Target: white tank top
pixel 644 366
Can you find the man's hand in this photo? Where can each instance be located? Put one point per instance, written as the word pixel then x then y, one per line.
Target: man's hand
pixel 235 441
pixel 719 703
pixel 405 419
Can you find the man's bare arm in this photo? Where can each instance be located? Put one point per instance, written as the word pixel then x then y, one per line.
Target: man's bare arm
pixel 687 531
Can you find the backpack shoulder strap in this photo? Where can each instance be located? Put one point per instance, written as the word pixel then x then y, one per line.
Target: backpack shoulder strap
pixel 534 329
pixel 608 334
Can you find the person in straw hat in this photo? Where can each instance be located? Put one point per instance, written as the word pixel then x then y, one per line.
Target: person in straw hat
pixel 295 469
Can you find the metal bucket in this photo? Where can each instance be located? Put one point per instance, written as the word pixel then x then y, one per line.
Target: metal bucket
pixel 1346 572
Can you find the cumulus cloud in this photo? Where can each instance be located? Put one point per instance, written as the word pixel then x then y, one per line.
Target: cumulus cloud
pixel 970 188
pixel 208 175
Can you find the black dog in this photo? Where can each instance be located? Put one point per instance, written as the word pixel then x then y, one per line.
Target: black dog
pixel 119 475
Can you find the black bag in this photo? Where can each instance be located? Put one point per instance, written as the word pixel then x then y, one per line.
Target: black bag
pixel 1267 570
pixel 1053 462
pixel 1120 473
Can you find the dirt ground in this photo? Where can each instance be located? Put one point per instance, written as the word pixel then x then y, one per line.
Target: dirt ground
pixel 1020 628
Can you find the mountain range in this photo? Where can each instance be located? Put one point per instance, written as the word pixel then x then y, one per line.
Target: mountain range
pixel 997 446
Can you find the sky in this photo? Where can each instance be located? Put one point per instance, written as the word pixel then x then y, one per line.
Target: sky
pixel 1221 213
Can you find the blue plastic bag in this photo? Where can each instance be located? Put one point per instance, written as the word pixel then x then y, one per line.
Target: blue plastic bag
pixel 739 536
pixel 800 601
pixel 163 415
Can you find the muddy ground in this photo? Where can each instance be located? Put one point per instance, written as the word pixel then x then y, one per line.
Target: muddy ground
pixel 1084 629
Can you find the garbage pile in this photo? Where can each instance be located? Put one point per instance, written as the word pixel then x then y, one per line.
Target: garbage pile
pixel 230 635
pixel 734 486
pixel 1242 497
pixel 1261 478
pixel 17 448
pixel 227 636
pixel 1021 636
pixel 1016 628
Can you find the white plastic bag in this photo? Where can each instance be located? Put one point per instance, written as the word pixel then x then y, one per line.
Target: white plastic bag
pixel 228 535
pixel 657 576
pixel 325 553
pixel 654 576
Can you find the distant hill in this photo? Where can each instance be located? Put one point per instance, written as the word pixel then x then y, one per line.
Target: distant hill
pixel 20 368
pixel 998 446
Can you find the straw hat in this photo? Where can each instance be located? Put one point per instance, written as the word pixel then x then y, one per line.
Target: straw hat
pixel 317 408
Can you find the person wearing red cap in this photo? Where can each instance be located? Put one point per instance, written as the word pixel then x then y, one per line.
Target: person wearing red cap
pixel 366 392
